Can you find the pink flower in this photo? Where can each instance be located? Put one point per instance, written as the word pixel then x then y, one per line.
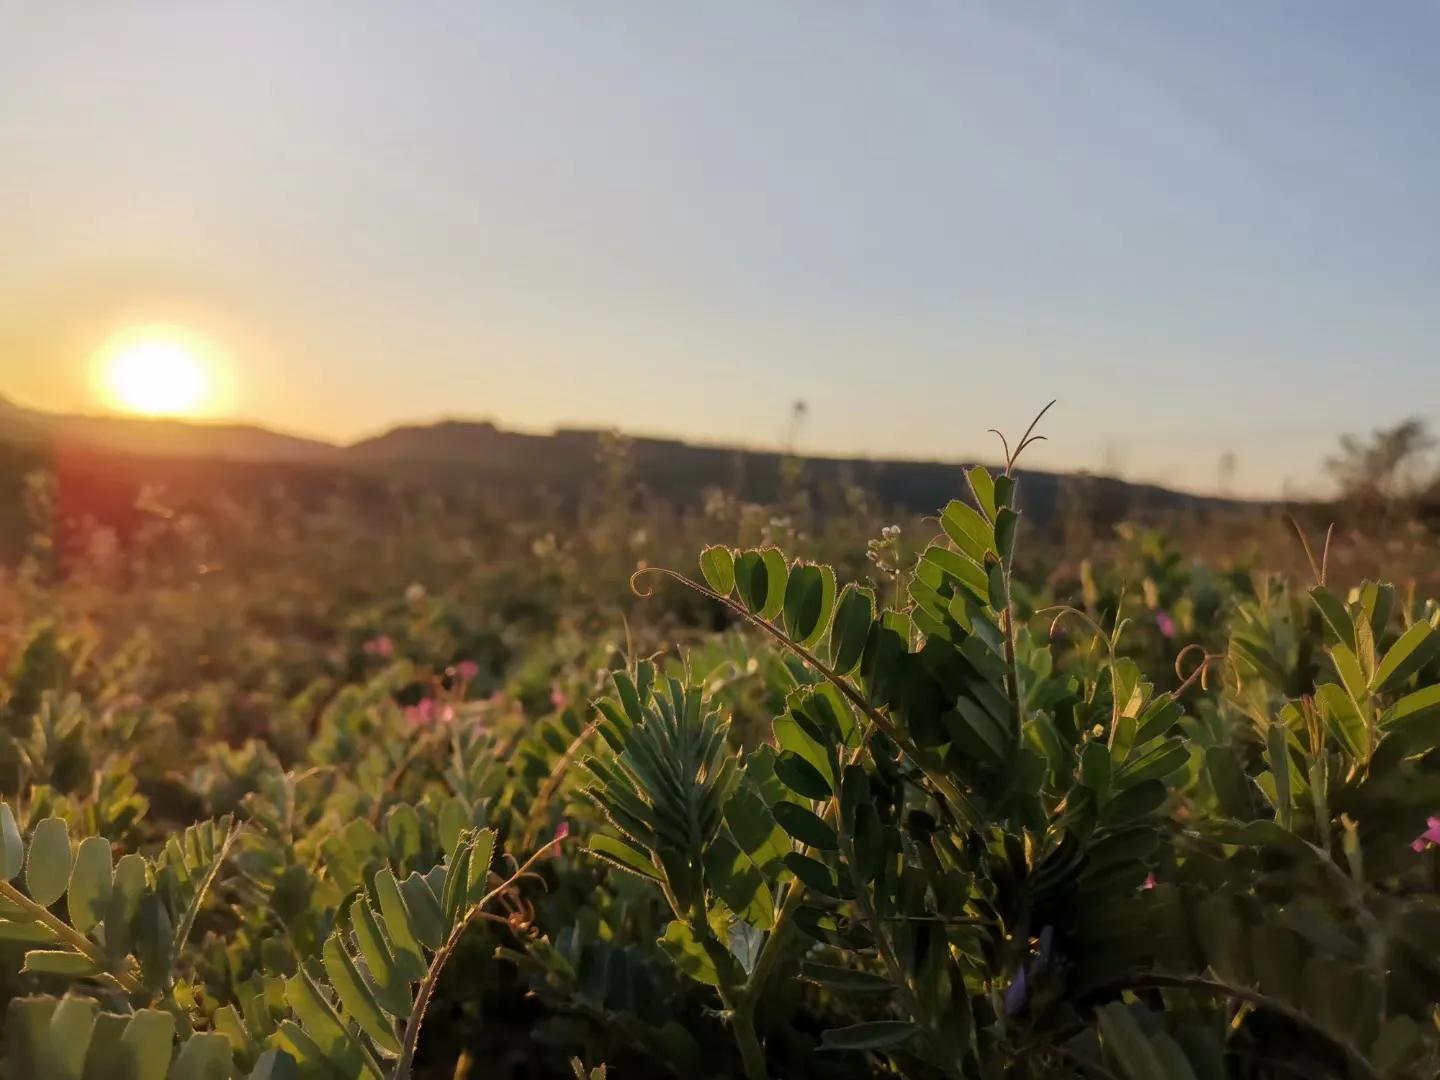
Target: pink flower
pixel 562 830
pixel 1430 837
pixel 379 646
pixel 1165 623
pixel 466 670
pixel 558 698
pixel 1149 880
pixel 428 711
pixel 421 714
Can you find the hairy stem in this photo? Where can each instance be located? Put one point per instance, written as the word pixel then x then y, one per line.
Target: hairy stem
pixel 68 934
pixel 405 1066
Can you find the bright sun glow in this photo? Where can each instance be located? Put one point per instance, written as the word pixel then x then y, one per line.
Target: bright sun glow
pixel 157 376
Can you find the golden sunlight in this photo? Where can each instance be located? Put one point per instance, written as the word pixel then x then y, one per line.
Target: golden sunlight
pixel 156 374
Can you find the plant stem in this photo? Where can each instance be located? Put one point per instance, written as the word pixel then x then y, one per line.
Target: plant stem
pixel 405 1065
pixel 67 933
pixel 742 1016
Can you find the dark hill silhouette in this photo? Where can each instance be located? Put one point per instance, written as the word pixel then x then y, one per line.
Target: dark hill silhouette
pixel 144 436
pixel 114 457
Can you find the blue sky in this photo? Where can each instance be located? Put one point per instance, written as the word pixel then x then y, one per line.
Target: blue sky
pixel 1203 227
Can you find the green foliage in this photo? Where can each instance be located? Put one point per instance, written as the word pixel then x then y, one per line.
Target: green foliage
pixel 933 820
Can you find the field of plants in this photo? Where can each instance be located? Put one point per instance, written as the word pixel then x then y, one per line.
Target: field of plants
pixel 456 787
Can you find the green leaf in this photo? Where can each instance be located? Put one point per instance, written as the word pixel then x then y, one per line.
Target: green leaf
pixel 995 586
pixel 1392 1048
pixel 968 531
pixel 88 896
pixel 275 1064
pixel 396 915
pixel 47 864
pixel 105 1047
pixel 1344 719
pixel 392 985
pixel 404 834
pixel 426 917
pixel 854 612
pixel 357 996
pixel 293 1040
pixel 753 827
pixel 147 1043
pixel 1004 492
pixel 123 911
pixel 482 854
pixel 59 962
pixel 1278 752
pixel 736 879
pixel 809 601
pixel 983 488
pixel 1168 756
pixel 805 826
pixel 717 566
pixel 1414 707
pixel 1348 668
pixel 1231 785
pixel 800 732
pixel 876 1035
pixel 455 896
pixel 623 855
pixel 815 874
pixel 1336 613
pixel 1415 648
pixel 27 933
pixel 68 1038
pixel 317 1016
pixel 12 847
pixel 1005 522
pixel 843 980
pixel 1095 768
pixel 1126 1044
pixel 451 823
pixel 975 732
pixel 752 581
pixel 27 1033
pixel 1157 718
pixel 205 1055
pixel 801 777
pixel 775 574
pixel 690 956
pixel 956 567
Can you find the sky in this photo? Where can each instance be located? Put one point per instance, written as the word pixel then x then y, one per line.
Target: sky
pixel 1205 229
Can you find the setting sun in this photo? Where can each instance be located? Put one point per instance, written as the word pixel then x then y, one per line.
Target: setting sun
pixel 156 376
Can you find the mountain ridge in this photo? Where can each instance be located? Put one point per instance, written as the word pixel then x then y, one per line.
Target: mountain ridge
pixel 455 451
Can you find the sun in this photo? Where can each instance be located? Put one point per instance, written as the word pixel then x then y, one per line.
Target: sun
pixel 156 375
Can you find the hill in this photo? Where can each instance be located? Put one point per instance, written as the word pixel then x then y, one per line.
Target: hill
pixel 112 457
pixel 144 437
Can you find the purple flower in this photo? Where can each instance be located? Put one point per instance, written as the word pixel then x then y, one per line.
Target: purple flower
pixel 1017 996
pixel 1430 837
pixel 1165 623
